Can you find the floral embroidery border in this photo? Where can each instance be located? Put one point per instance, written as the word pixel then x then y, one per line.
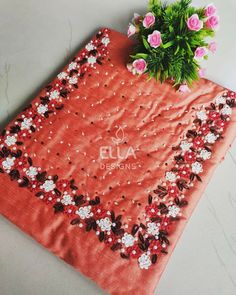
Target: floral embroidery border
pixel 144 242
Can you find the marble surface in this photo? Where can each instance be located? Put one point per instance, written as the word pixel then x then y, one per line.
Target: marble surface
pixel 37 39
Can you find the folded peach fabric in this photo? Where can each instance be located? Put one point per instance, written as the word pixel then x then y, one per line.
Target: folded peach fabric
pixel 104 168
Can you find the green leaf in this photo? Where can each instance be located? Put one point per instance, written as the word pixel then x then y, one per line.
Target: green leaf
pixel 168 44
pixel 145 43
pixel 140 55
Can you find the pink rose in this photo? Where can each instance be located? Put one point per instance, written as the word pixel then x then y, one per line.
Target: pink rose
pixel 210 10
pixel 212 22
pixel 154 39
pixel 200 52
pixel 212 47
pixel 140 65
pixel 194 23
pixel 184 88
pixel 149 20
pixel 131 30
pixel 202 73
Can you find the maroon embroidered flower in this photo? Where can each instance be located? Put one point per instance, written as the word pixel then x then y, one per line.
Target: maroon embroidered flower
pixel 204 129
pixel 134 251
pixel 198 142
pixel 190 157
pixel 184 172
pixel 152 210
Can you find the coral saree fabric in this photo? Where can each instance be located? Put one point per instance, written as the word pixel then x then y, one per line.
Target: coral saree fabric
pixel 104 168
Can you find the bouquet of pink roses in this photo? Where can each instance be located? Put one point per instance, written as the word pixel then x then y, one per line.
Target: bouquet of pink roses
pixel 172 40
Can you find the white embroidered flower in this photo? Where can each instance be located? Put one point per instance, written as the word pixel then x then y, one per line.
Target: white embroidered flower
pixel 202 115
pixel 62 76
pixel 105 41
pixel 92 60
pixel 73 80
pixel 170 176
pixel 226 111
pixel 144 261
pixel 196 167
pixel 72 66
pixel 84 212
pixel 8 163
pixel 185 146
pixel 220 100
pixel 67 199
pixel 32 172
pixel 54 94
pixel 27 122
pixel 48 186
pixel 153 229
pixel 41 109
pixel 10 140
pixel 89 47
pixel 128 240
pixel 210 138
pixel 105 224
pixel 173 211
pixel 205 155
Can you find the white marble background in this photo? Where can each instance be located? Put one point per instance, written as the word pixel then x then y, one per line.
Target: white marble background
pixel 36 39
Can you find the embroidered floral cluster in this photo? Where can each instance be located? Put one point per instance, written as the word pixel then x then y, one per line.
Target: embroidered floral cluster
pixel 145 241
pixel 52 97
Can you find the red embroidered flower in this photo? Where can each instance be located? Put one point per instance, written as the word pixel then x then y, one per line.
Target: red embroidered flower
pixel 184 172
pixel 83 69
pixel 82 54
pixel 165 223
pixel 155 247
pixel 231 94
pixel 134 251
pixel 34 186
pixel 173 191
pixel 21 163
pixel 30 112
pixel 198 142
pixel 152 210
pixel 102 50
pixel 63 184
pixel 23 135
pixel 69 210
pixel 190 157
pixel 99 212
pixel 204 129
pixel 110 239
pixel 49 198
pixel 220 123
pixel 213 115
pixel 38 121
